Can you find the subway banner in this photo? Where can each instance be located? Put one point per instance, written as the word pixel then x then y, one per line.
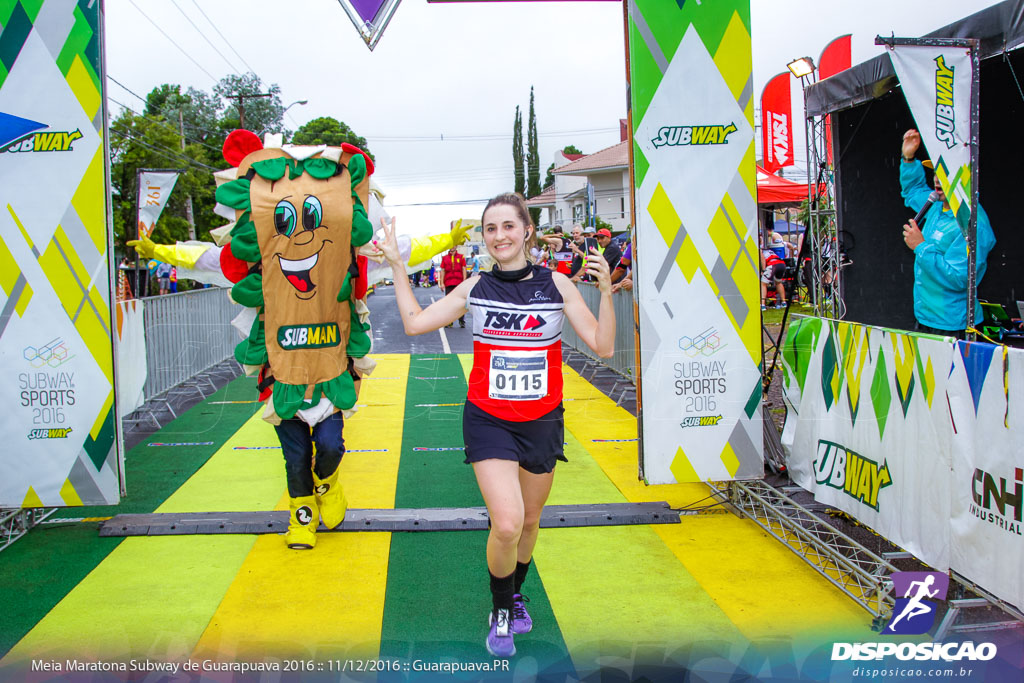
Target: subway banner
pixel 692 111
pixel 986 404
pixel 937 84
pixel 867 428
pixel 57 410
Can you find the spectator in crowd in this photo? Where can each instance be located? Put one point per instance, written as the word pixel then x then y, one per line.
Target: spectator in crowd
pixel 624 270
pixel 608 249
pixel 562 251
pixel 453 272
pixel 772 269
pixel 163 277
pixel 173 279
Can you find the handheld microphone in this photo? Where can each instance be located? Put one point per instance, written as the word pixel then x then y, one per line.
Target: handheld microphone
pixel 932 198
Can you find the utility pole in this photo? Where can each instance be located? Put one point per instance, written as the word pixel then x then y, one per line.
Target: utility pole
pixel 241 104
pixel 188 198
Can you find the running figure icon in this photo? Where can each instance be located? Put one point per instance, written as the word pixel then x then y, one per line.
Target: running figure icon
pixel 914 606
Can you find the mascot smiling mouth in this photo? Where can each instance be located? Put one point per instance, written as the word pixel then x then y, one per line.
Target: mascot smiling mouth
pixel 298 272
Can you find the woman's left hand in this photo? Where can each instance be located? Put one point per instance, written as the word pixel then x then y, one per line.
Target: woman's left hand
pixel 597 268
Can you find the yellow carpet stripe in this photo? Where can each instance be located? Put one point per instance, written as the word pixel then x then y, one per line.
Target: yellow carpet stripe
pixel 130 605
pixel 327 603
pixel 761 586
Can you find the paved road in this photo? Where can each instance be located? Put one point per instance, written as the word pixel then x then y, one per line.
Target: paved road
pixel 389 337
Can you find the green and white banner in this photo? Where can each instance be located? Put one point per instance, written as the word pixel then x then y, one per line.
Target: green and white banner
pixel 867 428
pixel 692 110
pixel 57 410
pixel 937 84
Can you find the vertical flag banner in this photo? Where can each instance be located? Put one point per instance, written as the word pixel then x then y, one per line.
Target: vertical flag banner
pixel 937 84
pixel 834 58
pixel 692 109
pixel 154 190
pixel 986 403
pixel 776 123
pixel 56 352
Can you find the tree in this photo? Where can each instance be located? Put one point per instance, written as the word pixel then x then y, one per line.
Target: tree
pixel 517 154
pixel 328 131
pixel 532 160
pixel 549 179
pixel 261 114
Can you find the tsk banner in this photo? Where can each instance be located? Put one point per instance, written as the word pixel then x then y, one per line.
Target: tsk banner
pixel 57 411
pixel 867 428
pixel 154 190
pixel 937 84
pixel 776 120
pixel 697 286
pixel 986 403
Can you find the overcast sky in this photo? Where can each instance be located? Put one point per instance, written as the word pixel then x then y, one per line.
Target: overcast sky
pixel 436 98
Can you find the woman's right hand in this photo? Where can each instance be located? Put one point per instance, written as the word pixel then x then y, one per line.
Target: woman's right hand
pixel 389 245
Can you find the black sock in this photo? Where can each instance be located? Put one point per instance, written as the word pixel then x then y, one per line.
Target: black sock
pixel 522 569
pixel 502 590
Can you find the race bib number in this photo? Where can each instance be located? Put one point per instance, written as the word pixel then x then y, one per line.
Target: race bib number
pixel 518 375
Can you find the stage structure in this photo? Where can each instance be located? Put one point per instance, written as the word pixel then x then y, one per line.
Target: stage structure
pixel 692 160
pixel 57 408
pixel 911 434
pixel 869 114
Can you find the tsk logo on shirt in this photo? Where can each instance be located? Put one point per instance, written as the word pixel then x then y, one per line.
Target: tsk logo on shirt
pixel 519 324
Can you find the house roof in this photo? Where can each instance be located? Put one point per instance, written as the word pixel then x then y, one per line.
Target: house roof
pixel 573 157
pixel 545 198
pixel 611 158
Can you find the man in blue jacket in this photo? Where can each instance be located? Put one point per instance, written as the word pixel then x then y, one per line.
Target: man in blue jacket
pixel 940 251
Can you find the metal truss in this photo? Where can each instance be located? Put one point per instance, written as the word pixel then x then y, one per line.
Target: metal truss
pixel 15 523
pixel 825 247
pixel 855 570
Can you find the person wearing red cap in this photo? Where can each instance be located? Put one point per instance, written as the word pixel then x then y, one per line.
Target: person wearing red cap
pixel 608 249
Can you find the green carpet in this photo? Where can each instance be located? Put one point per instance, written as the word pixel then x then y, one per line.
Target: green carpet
pixel 36 577
pixel 438 593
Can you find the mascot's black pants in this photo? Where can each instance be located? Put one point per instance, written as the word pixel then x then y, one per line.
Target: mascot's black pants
pixel 297 445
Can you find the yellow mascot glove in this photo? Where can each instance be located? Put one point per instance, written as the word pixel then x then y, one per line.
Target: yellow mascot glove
pixel 426 248
pixel 145 247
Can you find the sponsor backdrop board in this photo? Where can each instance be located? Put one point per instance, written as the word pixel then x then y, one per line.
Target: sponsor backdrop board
pixel 692 109
pixel 867 428
pixel 986 403
pixel 57 409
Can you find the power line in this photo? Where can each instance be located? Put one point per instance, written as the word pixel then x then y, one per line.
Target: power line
pixel 215 133
pixel 226 41
pixel 170 154
pixel 164 125
pixel 208 41
pixel 441 137
pixel 164 33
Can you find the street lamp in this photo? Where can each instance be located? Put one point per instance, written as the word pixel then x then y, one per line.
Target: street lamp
pixel 299 102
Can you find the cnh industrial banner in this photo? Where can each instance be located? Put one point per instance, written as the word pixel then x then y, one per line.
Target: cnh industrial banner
pixel 937 84
pixel 56 352
pixel 692 109
pixel 986 403
pixel 777 123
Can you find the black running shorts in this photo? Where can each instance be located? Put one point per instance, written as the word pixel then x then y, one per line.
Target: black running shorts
pixel 535 444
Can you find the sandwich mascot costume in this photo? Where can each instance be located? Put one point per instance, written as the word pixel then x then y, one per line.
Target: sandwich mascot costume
pixel 300 214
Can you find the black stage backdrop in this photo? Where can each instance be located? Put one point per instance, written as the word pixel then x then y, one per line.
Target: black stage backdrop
pixel 878 285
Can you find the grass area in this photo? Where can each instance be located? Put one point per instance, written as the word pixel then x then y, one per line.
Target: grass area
pixel 773 316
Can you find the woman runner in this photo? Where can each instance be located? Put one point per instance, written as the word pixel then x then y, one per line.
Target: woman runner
pixel 512 422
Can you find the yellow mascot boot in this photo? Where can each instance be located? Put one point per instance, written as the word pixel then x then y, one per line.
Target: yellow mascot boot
pixel 302 523
pixel 331 498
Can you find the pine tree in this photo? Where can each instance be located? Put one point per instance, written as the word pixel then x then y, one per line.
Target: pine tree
pixel 532 160
pixel 517 154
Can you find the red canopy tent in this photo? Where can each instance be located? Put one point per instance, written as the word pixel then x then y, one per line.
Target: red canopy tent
pixel 771 189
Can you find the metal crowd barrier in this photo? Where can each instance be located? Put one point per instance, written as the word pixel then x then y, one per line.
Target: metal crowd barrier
pixel 623 361
pixel 187 333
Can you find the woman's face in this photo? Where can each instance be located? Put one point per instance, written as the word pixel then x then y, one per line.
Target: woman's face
pixel 504 233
